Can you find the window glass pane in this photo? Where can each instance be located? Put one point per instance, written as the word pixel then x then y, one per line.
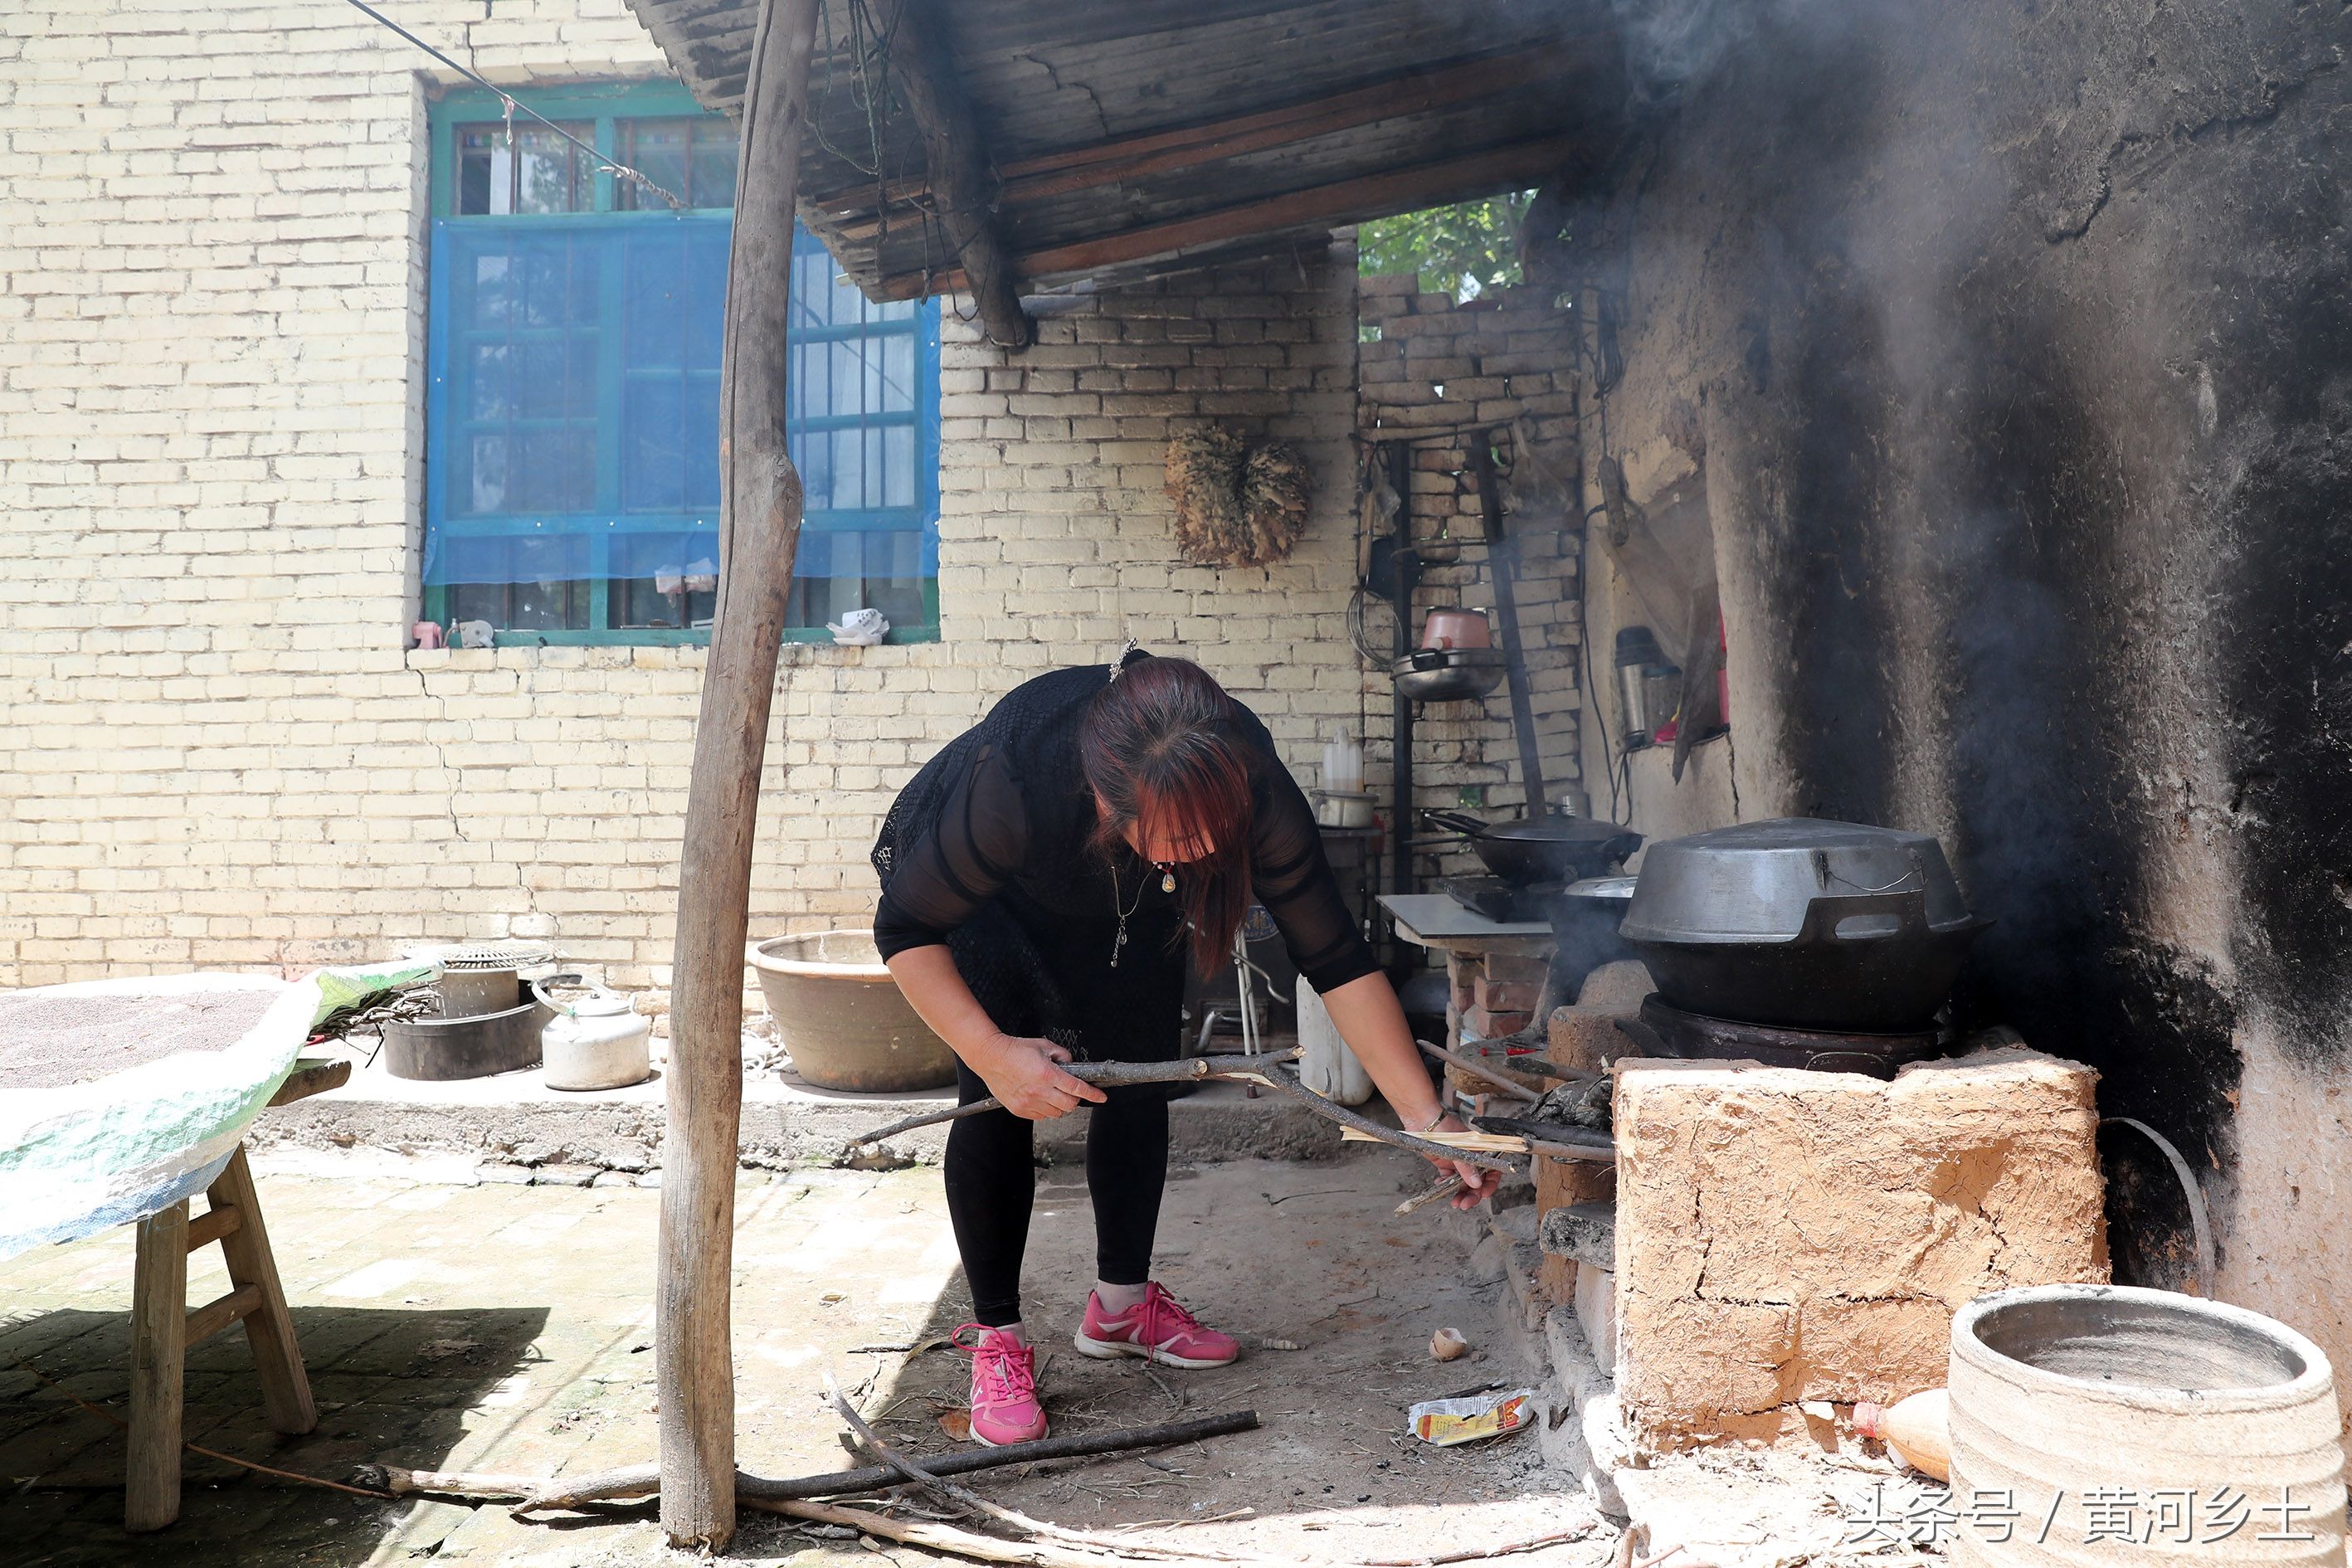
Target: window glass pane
pixel 897 391
pixel 702 440
pixel 546 171
pixel 550 469
pixel 534 171
pixel 483 474
pixel 553 377
pixel 668 582
pixel 492 295
pixel 653 444
pixel 849 306
pixel 475 157
pixel 715 152
pixel 848 488
pixel 655 301
pixel 548 607
pixel 479 601
pixel 704 281
pixel 574 394
pixel 490 375
pixel 846 377
pixel 899 465
pixel 658 149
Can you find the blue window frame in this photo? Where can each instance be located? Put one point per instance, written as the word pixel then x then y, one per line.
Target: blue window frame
pixel 572 459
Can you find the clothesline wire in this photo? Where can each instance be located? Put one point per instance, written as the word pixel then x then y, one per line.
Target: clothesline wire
pixel 514 106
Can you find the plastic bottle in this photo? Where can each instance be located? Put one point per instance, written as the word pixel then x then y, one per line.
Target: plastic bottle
pixel 1917 1431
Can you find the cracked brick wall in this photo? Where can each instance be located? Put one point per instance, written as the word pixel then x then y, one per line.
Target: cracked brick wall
pixel 1786 1236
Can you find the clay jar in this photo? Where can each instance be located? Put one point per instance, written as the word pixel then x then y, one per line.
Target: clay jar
pixel 2086 1392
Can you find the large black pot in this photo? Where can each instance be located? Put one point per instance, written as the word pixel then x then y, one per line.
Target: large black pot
pixel 1803 924
pixel 1553 848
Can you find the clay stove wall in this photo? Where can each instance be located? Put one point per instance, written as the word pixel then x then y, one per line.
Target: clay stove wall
pixel 1785 1236
pixel 2013 343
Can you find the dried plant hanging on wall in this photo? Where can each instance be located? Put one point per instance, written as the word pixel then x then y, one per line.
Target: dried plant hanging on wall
pixel 1236 505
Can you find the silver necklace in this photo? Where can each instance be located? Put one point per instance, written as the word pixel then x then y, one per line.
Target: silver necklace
pixel 1167 885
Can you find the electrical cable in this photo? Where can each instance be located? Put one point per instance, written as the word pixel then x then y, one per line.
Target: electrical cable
pixel 514 106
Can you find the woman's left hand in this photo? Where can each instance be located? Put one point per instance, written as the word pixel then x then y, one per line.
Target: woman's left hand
pixel 1477 1181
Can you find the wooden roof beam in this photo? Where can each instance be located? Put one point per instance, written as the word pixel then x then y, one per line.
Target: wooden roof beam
pixel 1509 167
pixel 1163 151
pixel 965 193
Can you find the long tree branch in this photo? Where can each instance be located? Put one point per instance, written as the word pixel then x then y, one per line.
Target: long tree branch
pixel 965 1498
pixel 1100 1074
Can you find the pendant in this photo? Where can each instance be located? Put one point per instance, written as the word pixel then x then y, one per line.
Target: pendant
pixel 1167 881
pixel 1116 944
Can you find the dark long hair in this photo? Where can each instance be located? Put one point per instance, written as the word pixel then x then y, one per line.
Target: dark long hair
pixel 1162 745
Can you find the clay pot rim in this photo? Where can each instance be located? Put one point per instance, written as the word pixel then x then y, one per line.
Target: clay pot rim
pixel 2316 1374
pixel 757 956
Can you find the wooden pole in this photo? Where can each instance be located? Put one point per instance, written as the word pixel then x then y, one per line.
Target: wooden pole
pixel 760 523
pixel 963 188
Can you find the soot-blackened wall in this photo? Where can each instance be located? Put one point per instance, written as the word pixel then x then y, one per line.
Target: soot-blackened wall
pixel 2019 338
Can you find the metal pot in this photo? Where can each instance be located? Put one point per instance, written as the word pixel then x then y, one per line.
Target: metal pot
pixel 1802 924
pixel 1448 674
pixel 1553 848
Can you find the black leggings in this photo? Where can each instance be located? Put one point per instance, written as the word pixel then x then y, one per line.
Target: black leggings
pixel 991 1180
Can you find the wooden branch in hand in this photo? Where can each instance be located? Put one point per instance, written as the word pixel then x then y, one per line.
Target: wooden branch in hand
pixel 1427 1195
pixel 1103 1075
pixel 1477 1069
pixel 1281 1083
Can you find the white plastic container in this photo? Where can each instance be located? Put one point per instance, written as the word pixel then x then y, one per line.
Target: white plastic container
pixel 1333 809
pixel 597 1041
pixel 1326 1065
pixel 1343 765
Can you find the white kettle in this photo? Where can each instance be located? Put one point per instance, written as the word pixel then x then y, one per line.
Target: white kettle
pixel 596 1041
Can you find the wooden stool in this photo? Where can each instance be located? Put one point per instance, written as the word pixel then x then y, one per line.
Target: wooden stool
pixel 161 1327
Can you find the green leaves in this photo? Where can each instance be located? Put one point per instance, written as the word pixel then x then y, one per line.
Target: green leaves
pixel 1445 247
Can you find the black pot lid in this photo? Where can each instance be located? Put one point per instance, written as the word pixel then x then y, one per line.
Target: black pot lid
pixel 1557 828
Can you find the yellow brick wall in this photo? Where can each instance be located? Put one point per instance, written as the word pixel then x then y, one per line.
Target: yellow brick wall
pixel 214 748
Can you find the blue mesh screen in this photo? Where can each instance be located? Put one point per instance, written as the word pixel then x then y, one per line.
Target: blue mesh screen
pixel 573 418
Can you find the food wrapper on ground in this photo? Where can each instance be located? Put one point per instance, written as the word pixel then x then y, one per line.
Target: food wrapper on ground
pixel 1442 1423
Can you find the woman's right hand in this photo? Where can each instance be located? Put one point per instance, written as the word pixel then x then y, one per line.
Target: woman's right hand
pixel 1026 1075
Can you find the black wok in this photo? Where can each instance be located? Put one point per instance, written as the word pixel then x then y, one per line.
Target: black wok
pixel 1554 848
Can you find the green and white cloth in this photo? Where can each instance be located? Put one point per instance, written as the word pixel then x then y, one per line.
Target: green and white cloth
pixel 82 1158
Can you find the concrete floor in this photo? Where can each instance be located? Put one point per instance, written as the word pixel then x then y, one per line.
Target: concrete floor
pixel 503 1327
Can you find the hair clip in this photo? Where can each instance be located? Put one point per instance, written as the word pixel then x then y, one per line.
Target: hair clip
pixel 1119 663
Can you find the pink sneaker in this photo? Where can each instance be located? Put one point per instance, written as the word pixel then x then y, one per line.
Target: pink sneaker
pixel 1004 1408
pixel 1155 1328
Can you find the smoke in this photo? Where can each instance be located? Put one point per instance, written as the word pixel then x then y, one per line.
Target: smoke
pixel 1673 44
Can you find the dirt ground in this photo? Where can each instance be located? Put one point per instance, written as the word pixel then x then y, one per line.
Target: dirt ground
pixel 509 1329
